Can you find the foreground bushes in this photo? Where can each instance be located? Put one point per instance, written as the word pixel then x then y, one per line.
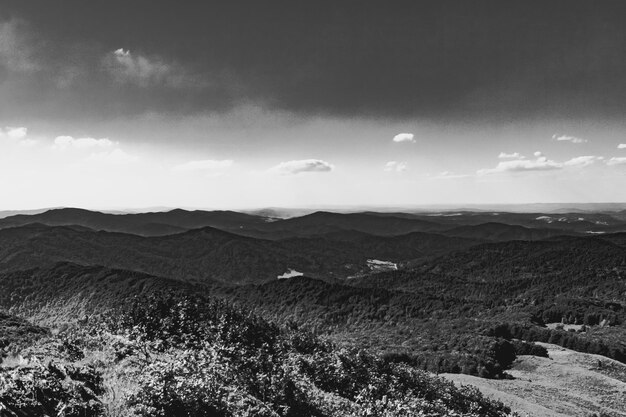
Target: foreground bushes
pixel 52 389
pixel 169 355
pixel 221 360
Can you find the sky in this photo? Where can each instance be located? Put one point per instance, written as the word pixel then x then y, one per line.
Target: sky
pixel 207 104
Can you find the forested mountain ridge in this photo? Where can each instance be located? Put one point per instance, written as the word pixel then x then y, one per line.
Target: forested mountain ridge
pixel 482 225
pixel 565 221
pixel 144 224
pixel 503 232
pixel 567 264
pixel 322 222
pixel 212 254
pixel 67 292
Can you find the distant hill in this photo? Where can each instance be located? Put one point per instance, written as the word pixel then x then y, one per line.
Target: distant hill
pixel 212 254
pixel 538 225
pixel 566 222
pixel 7 213
pixel 567 278
pixel 272 225
pixel 503 232
pixel 620 215
pixel 570 278
pixel 323 222
pixel 144 224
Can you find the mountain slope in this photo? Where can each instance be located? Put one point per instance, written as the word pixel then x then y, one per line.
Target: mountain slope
pixel 503 232
pixel 211 254
pixel 538 225
pixel 67 292
pixel 571 222
pixel 144 224
pixel 323 222
pixel 562 264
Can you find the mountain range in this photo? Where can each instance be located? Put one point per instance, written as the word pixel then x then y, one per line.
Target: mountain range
pixel 441 292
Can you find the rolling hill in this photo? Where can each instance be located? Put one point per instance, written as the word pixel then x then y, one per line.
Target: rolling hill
pixel 566 222
pixel 504 232
pixel 474 225
pixel 323 222
pixel 144 224
pixel 519 271
pixel 66 292
pixel 211 254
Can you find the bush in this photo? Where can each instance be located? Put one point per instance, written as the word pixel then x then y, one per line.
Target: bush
pixel 51 390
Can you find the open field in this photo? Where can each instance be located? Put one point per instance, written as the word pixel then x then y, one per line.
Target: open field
pixel 568 383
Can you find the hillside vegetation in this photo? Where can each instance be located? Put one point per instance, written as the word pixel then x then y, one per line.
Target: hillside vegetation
pixel 188 355
pixel 384 322
pixel 209 254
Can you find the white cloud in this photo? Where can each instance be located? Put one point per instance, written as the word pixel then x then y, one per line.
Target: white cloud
pixel 204 165
pixel 17 132
pixel 396 166
pixel 621 146
pixel 17 136
pixel 515 155
pixel 582 161
pixel 446 175
pixel 404 137
pixel 28 142
pixel 92 151
pixel 567 138
pixel 541 163
pixel 64 142
pixel 616 161
pixel 114 157
pixel 121 53
pixel 127 67
pixel 14 132
pixel 304 165
pixel 521 165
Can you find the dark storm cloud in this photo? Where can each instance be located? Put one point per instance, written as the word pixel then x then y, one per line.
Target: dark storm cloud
pixel 373 58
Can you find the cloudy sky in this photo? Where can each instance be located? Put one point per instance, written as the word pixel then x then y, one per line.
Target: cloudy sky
pixel 119 104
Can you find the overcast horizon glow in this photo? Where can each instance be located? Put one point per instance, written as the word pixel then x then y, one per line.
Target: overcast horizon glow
pixel 356 103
